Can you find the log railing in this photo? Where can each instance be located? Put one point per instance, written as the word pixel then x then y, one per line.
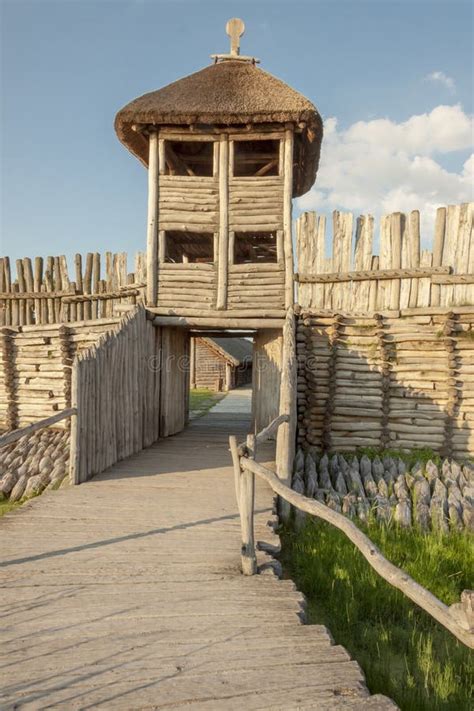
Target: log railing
pixel 457 618
pixel 15 435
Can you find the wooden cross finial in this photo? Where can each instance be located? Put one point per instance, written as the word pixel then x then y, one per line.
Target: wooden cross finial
pixel 235 28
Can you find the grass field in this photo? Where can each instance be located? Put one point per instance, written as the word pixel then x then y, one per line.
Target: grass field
pixel 403 652
pixel 201 400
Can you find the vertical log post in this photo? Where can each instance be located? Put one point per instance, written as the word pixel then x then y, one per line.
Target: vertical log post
pixel 438 248
pixel 8 358
pixel 65 344
pixel 452 393
pixel 37 283
pixel 286 437
pixel 95 284
pixel 247 504
pixel 74 439
pixel 305 368
pixel 223 243
pixel 29 281
pixel 334 334
pixel 161 233
pixel 7 279
pixel 236 465
pixel 152 224
pixel 287 212
pixel 385 373
pixel 3 303
pixel 21 289
pixel 192 363
pixel 397 229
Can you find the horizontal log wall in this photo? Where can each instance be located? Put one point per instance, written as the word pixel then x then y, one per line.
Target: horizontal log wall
pixel 35 378
pixel 187 286
pixel 402 383
pixel 256 287
pixel 46 292
pixel 441 276
pixel 188 203
pixel 210 367
pixel 256 203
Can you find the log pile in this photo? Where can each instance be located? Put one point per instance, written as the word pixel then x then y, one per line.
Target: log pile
pixel 428 496
pixel 404 382
pixel 34 463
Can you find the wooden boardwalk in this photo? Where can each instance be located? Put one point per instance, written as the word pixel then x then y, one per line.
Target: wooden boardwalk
pixel 125 593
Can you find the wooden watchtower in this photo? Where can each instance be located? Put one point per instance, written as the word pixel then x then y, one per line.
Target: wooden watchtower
pixel 226 148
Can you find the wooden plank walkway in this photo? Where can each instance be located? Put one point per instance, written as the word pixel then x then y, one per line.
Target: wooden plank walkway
pixel 125 593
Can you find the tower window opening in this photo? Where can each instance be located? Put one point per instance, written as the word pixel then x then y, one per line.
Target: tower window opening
pixel 255 247
pixel 183 246
pixel 256 158
pixel 189 158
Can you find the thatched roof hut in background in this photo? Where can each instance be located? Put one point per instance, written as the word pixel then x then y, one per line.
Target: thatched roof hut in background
pixel 221 363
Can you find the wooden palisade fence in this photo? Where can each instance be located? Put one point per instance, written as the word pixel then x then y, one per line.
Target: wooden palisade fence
pixel 401 277
pixel 128 390
pixel 458 618
pixel 45 292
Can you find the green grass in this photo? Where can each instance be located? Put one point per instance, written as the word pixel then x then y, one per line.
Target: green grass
pixel 201 400
pixel 7 506
pixel 403 652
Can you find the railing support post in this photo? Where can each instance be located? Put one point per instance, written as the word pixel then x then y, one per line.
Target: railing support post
pixel 74 438
pixel 247 502
pixel 233 446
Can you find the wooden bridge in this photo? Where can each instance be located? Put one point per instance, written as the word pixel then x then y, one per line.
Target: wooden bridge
pixel 126 592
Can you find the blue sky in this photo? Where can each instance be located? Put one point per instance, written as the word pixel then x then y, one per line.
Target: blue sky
pixel 67 183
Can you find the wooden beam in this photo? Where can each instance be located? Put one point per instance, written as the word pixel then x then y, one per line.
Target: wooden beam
pixel 14 436
pixel 374 274
pixel 152 228
pixel 222 334
pixel 286 438
pixel 223 244
pixel 287 212
pixel 219 322
pixel 453 279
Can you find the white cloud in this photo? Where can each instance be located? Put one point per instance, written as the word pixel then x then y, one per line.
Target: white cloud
pixel 442 78
pixel 381 166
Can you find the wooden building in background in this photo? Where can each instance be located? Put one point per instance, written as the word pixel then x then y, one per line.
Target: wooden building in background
pixel 220 363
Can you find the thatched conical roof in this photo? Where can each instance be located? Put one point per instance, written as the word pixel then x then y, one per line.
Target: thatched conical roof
pixel 227 93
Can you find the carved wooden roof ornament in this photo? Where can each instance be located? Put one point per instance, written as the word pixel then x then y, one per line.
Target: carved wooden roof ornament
pixel 235 28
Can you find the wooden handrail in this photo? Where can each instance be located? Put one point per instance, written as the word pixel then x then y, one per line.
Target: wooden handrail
pixel 373 274
pixel 457 618
pixel 14 436
pixel 265 434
